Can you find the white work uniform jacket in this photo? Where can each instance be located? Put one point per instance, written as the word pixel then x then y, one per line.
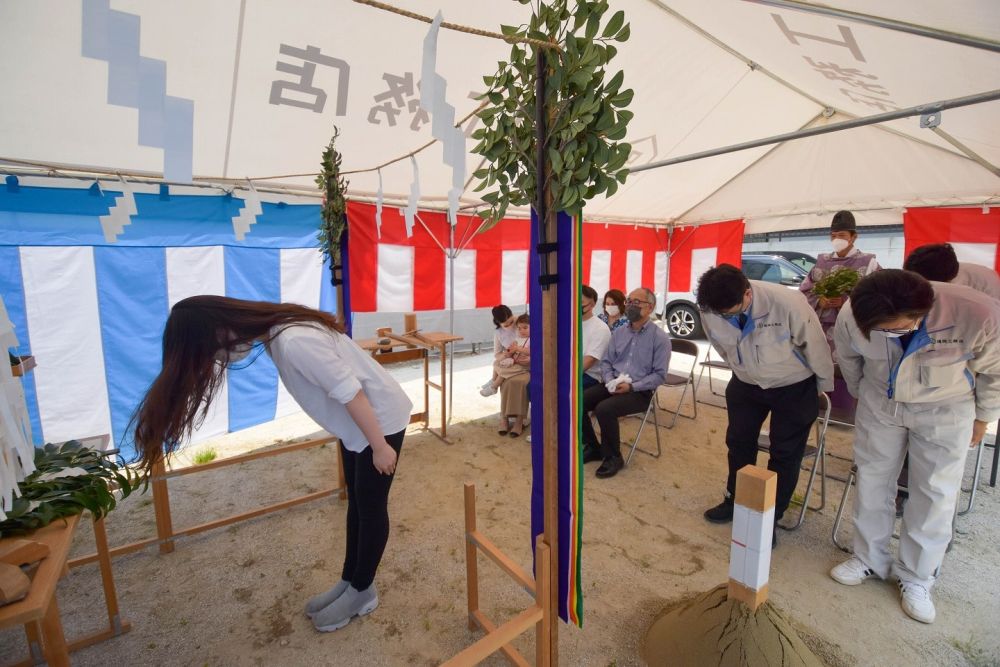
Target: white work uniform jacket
pixel 978 277
pixel 953 356
pixel 782 342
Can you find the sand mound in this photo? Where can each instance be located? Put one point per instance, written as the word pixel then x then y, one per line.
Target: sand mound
pixel 712 630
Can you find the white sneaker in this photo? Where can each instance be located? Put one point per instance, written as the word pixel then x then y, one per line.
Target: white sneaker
pixel 487 389
pixel 852 572
pixel 916 601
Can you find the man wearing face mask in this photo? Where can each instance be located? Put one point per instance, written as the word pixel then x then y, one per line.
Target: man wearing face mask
pixel 634 365
pixel 924 361
pixel 843 234
pixel 772 340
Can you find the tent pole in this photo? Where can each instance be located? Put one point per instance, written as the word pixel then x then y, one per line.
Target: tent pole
pixel 890 24
pixel 451 317
pixel 969 153
pixel 666 288
pixel 920 110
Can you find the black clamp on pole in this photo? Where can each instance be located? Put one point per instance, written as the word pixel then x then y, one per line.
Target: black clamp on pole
pixel 544 250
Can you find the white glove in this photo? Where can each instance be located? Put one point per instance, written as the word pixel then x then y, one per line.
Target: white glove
pixel 612 384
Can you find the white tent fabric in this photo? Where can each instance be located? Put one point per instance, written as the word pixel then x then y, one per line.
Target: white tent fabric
pixel 233 89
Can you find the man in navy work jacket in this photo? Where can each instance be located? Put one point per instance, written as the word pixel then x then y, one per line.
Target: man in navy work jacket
pixel 634 365
pixel 771 338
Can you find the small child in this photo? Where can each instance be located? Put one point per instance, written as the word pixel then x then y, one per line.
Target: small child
pixel 516 358
pixel 503 320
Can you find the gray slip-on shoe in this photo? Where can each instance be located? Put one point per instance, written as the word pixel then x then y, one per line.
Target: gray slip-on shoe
pixel 340 612
pixel 317 602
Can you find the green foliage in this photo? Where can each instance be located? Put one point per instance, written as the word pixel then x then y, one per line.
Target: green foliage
pixel 203 456
pixel 45 498
pixel 837 283
pixel 586 118
pixel 334 207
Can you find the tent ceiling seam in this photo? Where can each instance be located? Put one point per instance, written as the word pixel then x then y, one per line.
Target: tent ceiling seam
pixel 232 94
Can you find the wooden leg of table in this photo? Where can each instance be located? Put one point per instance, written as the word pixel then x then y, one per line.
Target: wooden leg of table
pixel 54 641
pixel 107 576
pixel 444 391
pixel 161 507
pixel 471 552
pixel 427 389
pixel 341 477
pixel 33 632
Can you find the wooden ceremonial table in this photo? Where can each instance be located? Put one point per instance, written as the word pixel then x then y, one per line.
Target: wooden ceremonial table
pixel 414 345
pixel 39 612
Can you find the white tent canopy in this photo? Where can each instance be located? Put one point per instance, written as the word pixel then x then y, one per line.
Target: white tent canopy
pixel 233 89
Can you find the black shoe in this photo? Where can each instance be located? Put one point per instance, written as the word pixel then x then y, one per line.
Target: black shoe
pixel 721 513
pixel 591 453
pixel 610 467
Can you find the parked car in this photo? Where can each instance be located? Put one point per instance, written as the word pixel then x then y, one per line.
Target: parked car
pixel 683 318
pixel 800 259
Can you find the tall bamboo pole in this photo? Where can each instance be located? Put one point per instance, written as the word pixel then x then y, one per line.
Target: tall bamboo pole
pixel 546 216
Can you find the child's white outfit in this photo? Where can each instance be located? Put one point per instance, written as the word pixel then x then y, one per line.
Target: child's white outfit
pixel 502 339
pixel 507 367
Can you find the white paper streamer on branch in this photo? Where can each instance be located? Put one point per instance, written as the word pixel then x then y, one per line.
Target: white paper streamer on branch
pixel 378 207
pixel 119 214
pixel 16 450
pixel 248 214
pixel 411 207
pixel 433 100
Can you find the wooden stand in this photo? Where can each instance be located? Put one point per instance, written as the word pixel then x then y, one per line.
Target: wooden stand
pixel 423 344
pixel 165 533
pixel 538 615
pixel 39 612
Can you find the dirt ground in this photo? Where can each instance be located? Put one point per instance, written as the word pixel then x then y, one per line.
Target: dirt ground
pixel 234 596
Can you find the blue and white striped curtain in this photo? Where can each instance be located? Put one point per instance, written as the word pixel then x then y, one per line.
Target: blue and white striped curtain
pixel 92 312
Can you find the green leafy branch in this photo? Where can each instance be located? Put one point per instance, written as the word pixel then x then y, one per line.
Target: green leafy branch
pixel 334 187
pixel 586 115
pixel 67 480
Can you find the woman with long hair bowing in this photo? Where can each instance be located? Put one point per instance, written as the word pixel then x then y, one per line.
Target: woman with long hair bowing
pixel 337 384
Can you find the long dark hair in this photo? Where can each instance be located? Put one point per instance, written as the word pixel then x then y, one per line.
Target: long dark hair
pixel 200 334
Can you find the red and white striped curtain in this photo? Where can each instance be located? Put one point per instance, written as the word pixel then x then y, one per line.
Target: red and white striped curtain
pixel 391 272
pixel 974 234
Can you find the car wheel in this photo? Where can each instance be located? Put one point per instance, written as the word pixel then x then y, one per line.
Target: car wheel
pixel 684 322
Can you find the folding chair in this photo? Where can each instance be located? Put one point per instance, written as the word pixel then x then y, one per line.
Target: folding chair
pixel 652 408
pixel 678 346
pixel 708 365
pixel 818 453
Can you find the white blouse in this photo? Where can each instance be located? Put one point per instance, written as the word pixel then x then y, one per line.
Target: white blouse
pixel 323 370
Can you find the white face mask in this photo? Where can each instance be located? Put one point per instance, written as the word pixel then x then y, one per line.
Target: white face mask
pixel 894 334
pixel 238 353
pixel 840 245
pixel 612 311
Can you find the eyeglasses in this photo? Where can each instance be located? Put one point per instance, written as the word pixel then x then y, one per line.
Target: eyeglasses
pixel 637 302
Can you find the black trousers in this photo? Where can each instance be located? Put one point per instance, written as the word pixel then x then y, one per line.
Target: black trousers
pixel 607 408
pixel 367 513
pixel 793 408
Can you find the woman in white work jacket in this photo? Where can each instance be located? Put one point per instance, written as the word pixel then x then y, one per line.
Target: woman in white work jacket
pixel 923 359
pixel 334 381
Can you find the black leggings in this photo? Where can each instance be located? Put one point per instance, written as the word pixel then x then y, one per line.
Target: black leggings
pixel 367 513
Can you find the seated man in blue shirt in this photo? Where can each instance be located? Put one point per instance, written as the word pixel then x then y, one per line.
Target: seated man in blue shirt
pixel 634 365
